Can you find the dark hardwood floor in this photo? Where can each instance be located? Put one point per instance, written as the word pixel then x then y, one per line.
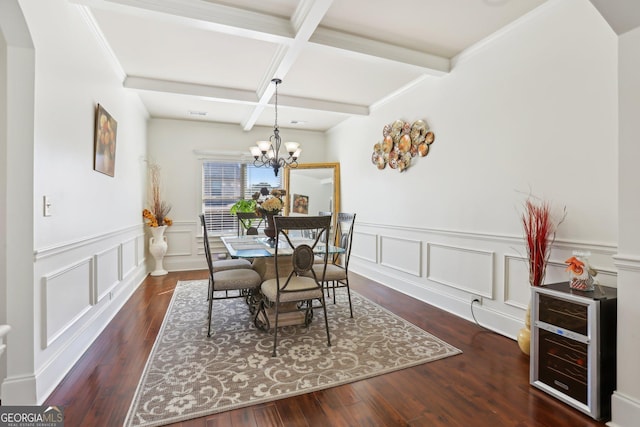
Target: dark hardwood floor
pixel 485 386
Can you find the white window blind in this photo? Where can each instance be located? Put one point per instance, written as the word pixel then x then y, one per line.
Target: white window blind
pixel 221 188
pixel 223 184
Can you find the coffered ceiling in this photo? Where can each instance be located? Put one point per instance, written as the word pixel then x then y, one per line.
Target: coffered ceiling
pixel 213 60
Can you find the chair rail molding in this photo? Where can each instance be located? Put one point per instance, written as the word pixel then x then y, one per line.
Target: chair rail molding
pixel 79 243
pixel 627 262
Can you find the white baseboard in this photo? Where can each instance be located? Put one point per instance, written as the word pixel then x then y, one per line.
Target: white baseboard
pixel 500 323
pixel 625 411
pixel 17 390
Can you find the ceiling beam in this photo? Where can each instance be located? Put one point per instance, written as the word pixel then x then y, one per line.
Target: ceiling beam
pixel 218 93
pixel 291 36
pixel 301 29
pixel 426 62
pixel 305 19
pixel 238 96
pixel 322 105
pixel 206 15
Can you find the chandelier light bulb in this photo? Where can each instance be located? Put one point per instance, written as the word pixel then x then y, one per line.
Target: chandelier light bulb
pixel 264 146
pixel 291 147
pixel 255 152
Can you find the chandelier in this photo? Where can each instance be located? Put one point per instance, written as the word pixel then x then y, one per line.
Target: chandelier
pixel 267 153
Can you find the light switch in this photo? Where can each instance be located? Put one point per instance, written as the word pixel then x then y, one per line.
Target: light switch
pixel 46 206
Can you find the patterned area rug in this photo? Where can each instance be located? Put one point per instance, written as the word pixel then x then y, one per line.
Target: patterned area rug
pixel 189 375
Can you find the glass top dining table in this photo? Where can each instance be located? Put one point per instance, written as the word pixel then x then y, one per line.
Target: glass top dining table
pixel 262 251
pixel 263 247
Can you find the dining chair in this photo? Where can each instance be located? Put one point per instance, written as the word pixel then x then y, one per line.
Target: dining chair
pixel 337 271
pixel 327 237
pixel 300 289
pixel 311 234
pixel 245 223
pixel 228 283
pixel 223 264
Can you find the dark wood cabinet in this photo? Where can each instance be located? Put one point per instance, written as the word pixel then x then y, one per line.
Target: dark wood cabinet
pixel 573 346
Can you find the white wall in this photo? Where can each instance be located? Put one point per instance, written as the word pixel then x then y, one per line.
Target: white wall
pixel 179 147
pixel 3 184
pixel 626 399
pixel 532 109
pixel 89 255
pixel 3 166
pixel 16 166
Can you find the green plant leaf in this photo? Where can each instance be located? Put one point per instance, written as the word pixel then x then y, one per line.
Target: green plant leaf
pixel 244 206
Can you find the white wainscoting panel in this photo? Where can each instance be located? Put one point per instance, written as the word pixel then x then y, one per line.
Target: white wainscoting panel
pixel 470 270
pixel 180 242
pixel 215 244
pixel 67 296
pixel 140 249
pixel 401 254
pixel 107 271
pixel 365 246
pixel 517 291
pixel 128 257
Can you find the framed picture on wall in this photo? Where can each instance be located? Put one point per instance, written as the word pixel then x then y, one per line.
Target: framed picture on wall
pixel 104 159
pixel 300 204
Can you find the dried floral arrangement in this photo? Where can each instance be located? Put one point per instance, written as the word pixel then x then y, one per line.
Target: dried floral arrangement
pixel 539 233
pixel 156 215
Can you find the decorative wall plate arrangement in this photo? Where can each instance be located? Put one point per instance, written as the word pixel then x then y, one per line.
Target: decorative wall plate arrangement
pixel 402 141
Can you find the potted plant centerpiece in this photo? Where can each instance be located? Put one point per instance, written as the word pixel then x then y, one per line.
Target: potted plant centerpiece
pixel 269 204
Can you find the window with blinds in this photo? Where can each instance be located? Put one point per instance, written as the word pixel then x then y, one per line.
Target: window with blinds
pixel 223 184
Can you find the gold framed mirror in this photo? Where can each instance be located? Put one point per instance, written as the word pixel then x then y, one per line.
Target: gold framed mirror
pixel 312 188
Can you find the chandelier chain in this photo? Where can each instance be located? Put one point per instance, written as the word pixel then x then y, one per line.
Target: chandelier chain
pixel 277 82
